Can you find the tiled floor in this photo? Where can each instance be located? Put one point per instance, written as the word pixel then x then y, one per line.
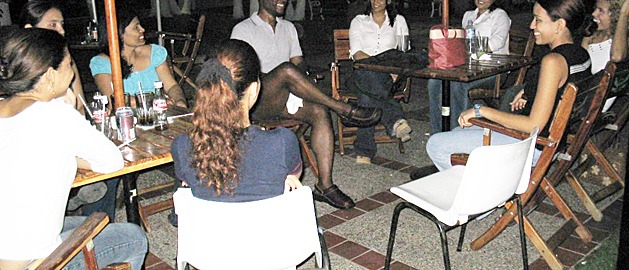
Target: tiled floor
pixel 569 252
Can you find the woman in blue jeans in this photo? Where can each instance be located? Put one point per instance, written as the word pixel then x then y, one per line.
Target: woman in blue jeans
pixel 44 141
pixel 489 21
pixel 555 24
pixel 371 34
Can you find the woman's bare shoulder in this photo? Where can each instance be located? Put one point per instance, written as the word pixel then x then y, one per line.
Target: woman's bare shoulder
pixel 554 60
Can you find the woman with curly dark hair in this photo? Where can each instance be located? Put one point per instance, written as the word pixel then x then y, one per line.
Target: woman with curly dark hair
pixel 225 158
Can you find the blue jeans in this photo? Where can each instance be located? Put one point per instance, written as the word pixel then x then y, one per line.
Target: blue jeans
pixel 463 140
pixel 373 89
pixel 116 243
pixel 106 204
pixel 459 101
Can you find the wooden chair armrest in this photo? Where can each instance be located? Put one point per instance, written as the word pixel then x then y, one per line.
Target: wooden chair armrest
pixel 480 93
pixel 459 159
pixel 81 236
pixel 174 35
pixel 118 266
pixel 509 132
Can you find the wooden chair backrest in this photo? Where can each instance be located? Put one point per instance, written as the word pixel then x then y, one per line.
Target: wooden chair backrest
pixel 522 43
pixel 198 37
pixel 587 107
pixel 341 45
pixel 184 44
pixel 591 96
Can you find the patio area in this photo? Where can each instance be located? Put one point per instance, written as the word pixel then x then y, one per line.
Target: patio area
pixel 357 238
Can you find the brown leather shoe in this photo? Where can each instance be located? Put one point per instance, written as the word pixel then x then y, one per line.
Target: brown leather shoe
pixel 360 116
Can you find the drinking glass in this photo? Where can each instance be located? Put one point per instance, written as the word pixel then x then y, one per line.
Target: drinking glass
pixel 144 110
pixel 483 46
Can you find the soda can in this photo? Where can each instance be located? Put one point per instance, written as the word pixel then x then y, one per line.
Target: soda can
pixel 126 124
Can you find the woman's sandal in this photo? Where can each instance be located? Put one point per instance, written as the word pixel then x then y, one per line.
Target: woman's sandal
pixel 334 197
pixel 361 116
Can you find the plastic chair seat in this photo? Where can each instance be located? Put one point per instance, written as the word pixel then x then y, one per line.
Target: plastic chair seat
pixel 434 193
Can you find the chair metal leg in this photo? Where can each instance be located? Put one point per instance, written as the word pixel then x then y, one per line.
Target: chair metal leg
pixel 442 232
pixel 461 236
pixel 525 259
pixel 325 255
pixel 444 245
pixel 396 215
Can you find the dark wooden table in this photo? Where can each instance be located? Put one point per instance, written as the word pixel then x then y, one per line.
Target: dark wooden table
pixel 150 149
pixel 470 71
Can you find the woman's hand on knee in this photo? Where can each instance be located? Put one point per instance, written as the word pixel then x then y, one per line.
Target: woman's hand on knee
pixel 464 118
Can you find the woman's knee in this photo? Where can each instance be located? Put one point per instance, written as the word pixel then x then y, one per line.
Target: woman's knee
pixel 128 234
pixel 433 144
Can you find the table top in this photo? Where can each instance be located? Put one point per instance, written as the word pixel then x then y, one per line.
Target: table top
pixel 151 148
pixel 471 70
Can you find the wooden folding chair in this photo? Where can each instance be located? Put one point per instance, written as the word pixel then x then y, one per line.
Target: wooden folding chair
pixel 346 135
pixel 80 240
pixel 550 146
pixel 521 43
pixel 182 56
pixel 590 99
pixel 606 130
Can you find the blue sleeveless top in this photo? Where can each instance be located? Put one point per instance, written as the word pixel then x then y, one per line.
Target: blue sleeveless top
pixel 101 65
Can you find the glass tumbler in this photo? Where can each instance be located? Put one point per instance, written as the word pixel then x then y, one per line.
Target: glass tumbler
pixel 483 46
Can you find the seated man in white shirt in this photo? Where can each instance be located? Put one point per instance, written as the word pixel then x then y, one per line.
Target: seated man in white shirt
pixel 289 94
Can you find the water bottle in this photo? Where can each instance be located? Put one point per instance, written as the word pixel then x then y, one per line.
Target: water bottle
pixel 470 37
pixel 160 107
pixel 100 111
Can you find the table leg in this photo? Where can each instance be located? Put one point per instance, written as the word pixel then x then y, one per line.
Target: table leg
pixel 129 184
pixel 445 105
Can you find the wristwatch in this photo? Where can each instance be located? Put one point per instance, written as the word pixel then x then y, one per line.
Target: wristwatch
pixel 477 110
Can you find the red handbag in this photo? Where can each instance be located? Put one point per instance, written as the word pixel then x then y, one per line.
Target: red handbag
pixel 446 47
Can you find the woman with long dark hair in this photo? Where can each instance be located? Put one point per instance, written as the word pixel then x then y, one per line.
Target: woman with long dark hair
pixel 370 34
pixel 48 14
pixel 142 64
pixel 555 24
pixel 225 158
pixel 43 143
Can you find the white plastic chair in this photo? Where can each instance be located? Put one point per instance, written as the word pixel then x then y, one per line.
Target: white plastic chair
pixel 492 176
pixel 275 233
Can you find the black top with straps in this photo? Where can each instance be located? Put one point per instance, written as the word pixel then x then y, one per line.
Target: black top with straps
pixel 579 65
